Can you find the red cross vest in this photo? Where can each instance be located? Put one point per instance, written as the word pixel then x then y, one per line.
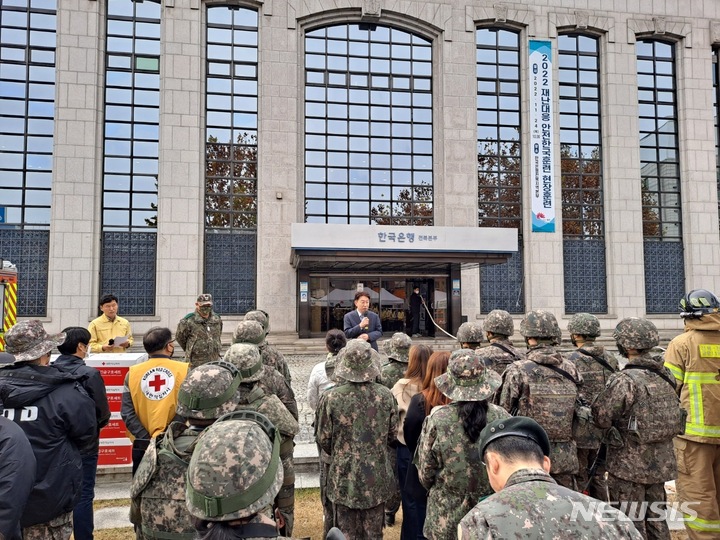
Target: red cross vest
pixel 154 386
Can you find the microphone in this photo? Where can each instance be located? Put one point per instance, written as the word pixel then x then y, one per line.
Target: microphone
pixel 364 314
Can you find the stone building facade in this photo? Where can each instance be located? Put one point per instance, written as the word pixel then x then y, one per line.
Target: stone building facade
pixel 159 150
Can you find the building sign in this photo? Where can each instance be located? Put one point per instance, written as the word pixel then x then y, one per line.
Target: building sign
pixel 542 178
pixel 403 238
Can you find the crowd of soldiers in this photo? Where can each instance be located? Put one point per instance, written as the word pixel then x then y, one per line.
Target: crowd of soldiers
pixel 533 443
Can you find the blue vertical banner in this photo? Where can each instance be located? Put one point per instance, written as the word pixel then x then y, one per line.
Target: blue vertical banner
pixel 542 138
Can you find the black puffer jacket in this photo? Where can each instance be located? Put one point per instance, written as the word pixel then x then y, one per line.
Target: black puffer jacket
pixel 94 385
pixel 58 417
pixel 17 477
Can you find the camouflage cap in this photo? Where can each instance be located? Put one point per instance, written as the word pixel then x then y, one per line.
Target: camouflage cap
pixel 208 391
pixel 205 299
pixel 517 426
pixel 636 333
pixel 357 363
pixel 470 332
pixel 28 340
pixel 246 358
pixel 259 316
pixel 249 332
pixel 398 347
pixel 540 324
pixel 467 378
pixel 499 321
pixel 584 324
pixel 235 469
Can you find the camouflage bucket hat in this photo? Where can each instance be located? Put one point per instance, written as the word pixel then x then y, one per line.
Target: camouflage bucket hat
pixel 249 332
pixel 398 347
pixel 261 317
pixel 500 322
pixel 357 363
pixel 467 378
pixel 636 333
pixel 246 358
pixel 470 332
pixel 235 470
pixel 28 340
pixel 208 391
pixel 584 324
pixel 540 324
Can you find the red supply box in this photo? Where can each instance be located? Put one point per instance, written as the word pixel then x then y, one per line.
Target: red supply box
pixel 115 429
pixel 115 452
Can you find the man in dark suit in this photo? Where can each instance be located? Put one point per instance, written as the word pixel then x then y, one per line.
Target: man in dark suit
pixel 363 323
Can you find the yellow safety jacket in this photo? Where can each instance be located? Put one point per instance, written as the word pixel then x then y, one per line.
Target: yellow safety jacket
pixel 154 386
pixel 693 357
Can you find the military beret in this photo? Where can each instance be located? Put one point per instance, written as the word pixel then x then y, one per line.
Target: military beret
pixel 517 426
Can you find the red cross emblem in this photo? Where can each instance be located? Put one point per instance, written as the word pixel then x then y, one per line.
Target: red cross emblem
pixel 157 383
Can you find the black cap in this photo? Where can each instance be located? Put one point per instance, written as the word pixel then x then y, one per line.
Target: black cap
pixel 517 426
pixel 6 359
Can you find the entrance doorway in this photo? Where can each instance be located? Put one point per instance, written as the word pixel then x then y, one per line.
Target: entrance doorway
pixel 331 297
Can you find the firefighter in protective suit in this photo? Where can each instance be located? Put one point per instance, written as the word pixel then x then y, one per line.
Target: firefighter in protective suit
pixel 641 411
pixel 694 359
pixel 544 387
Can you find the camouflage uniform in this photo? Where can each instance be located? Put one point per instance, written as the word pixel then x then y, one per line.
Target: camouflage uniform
pixel 532 388
pixel 158 487
pixel 232 459
pixel 595 366
pixel 273 382
pixel 470 334
pixel 501 352
pixel 200 338
pixel 532 505
pixel 643 413
pixel 59 528
pixel 397 349
pixel 356 422
pixel 449 463
pixel 252 396
pixel 270 355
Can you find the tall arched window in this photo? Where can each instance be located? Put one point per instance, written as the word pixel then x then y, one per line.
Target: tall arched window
pixel 368 126
pixel 231 157
pixel 499 160
pixel 660 176
pixel 130 154
pixel 27 108
pixel 582 181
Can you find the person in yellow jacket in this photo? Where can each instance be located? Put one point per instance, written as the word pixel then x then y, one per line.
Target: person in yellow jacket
pixel 109 332
pixel 693 357
pixel 150 393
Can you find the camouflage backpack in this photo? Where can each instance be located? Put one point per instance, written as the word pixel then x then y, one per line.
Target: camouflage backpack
pixel 656 415
pixel 552 400
pixel 158 487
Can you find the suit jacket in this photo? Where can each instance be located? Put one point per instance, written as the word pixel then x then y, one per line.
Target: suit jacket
pixel 351 326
